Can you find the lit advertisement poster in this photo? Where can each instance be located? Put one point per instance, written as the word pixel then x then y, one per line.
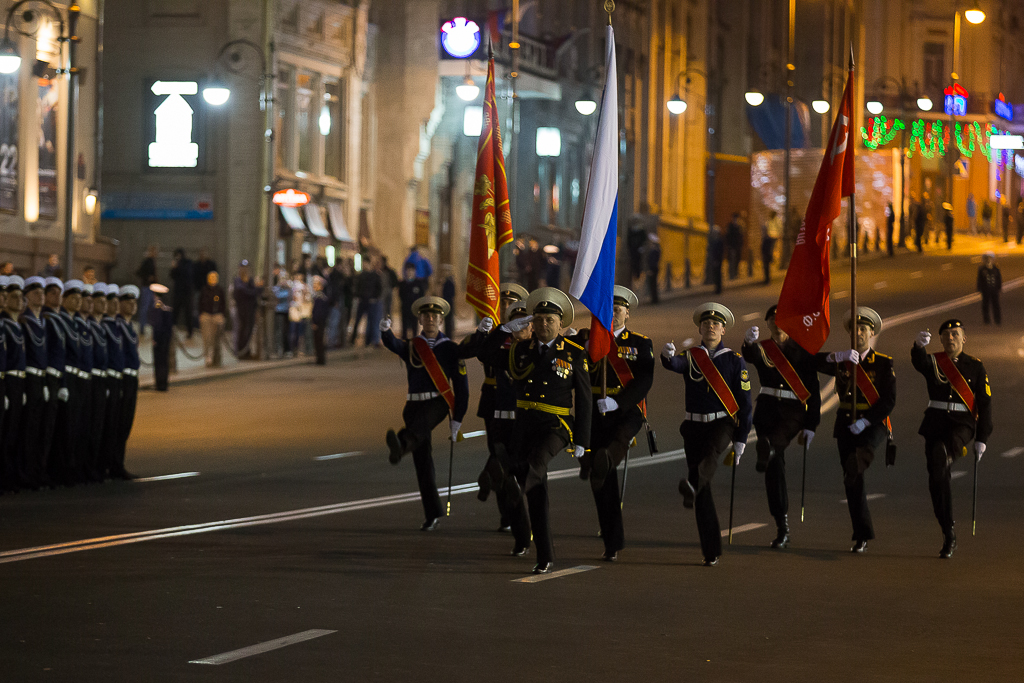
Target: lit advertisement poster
pixel 9 143
pixel 48 94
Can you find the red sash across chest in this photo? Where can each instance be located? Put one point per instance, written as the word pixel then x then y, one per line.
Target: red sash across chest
pixel 786 369
pixel 437 376
pixel 715 380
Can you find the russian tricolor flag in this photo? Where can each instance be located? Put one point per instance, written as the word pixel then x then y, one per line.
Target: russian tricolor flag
pixel 593 281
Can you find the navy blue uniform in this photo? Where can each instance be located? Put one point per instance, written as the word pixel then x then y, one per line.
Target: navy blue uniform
pixel 129 392
pixel 14 390
pixel 110 446
pixel 425 408
pixel 83 425
pixel 96 464
pixel 161 318
pixel 62 346
pixel 33 457
pixel 708 431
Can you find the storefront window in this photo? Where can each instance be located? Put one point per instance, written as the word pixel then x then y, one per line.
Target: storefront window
pixel 306 115
pixel 332 127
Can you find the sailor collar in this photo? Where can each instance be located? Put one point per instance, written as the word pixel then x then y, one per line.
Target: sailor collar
pixel 719 352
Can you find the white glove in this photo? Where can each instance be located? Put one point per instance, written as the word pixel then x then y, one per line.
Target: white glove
pixel 62 395
pixel 923 338
pixel 737 447
pixel 571 332
pixel 24 398
pixel 455 429
pixel 108 393
pixel 7 403
pixel 517 324
pixel 486 325
pixel 752 334
pixel 842 356
pixel 607 405
pixel 669 350
pixel 46 394
pixel 979 450
pixel 578 451
pixel 808 437
pixel 859 426
pixel 385 324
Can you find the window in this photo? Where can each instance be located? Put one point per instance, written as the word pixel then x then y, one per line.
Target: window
pixel 332 128
pixel 306 115
pixel 284 120
pixel 934 66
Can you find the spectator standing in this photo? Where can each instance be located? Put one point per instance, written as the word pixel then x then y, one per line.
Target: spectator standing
pixel 7 268
pixel 734 244
pixel 920 220
pixel 300 310
pixel 89 275
pixel 334 290
pixel 947 219
pixel 770 233
pixel 553 266
pixel 972 214
pixel 52 267
pixel 986 218
pixel 890 225
pixel 990 284
pixel 368 290
pixel 213 304
pixel 183 277
pixel 161 317
pixel 203 266
pixel 448 294
pixel 147 276
pixel 283 297
pixel 716 254
pixel 409 290
pixel 653 257
pixel 246 295
pixel 1007 218
pixel 320 313
pixel 420 262
pixel 389 279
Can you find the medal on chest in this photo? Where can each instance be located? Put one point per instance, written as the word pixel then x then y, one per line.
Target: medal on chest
pixel 562 368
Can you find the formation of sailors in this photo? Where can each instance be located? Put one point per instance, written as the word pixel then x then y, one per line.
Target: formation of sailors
pixel 69 377
pixel 542 396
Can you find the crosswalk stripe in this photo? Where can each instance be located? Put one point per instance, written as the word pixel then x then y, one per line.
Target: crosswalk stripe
pixel 537 578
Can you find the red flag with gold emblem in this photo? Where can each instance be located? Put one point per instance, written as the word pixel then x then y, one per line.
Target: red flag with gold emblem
pixel 491 226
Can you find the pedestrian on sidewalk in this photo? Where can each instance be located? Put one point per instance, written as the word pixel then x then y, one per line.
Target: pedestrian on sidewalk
pixel 734 244
pixel 369 289
pixel 184 280
pixel 920 219
pixel 986 219
pixel 990 284
pixel 972 214
pixel 716 254
pixel 246 295
pixel 890 224
pixel 1007 219
pixel 212 307
pixel 318 319
pixel 161 317
pixel 653 256
pixel 770 233
pixel 947 219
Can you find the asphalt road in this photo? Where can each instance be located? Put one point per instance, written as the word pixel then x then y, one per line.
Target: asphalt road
pixel 333 544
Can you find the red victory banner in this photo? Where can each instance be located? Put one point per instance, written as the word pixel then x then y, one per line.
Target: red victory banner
pixel 491 226
pixel 803 310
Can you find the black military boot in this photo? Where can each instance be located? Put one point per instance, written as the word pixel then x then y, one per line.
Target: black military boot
pixel 782 539
pixel 765 453
pixel 395 448
pixel 948 544
pixel 600 465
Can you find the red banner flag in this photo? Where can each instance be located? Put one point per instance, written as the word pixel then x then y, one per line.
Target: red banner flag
pixel 491 226
pixel 803 311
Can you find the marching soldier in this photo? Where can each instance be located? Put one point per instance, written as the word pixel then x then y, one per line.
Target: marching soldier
pixel 788 406
pixel 874 390
pixel 102 383
pixel 115 383
pixel 718 415
pixel 551 381
pixel 959 410
pixel 84 424
pixel 37 389
pixel 14 383
pixel 62 353
pixel 618 417
pixel 498 419
pixel 438 388
pixel 128 305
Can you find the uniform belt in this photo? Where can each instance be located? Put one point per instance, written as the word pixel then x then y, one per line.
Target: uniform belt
pixel 705 417
pixel 949 407
pixel 70 368
pixel 131 372
pixel 611 392
pixel 16 373
pixel 490 381
pixel 504 414
pixel 83 374
pixel 35 371
pixel 114 373
pixel 543 407
pixel 847 406
pixel 53 371
pixel 425 396
pixel 778 393
pixel 98 373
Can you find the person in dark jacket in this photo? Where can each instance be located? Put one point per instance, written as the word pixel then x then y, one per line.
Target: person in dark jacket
pixel 213 304
pixel 321 310
pixel 734 244
pixel 246 294
pixel 369 289
pixel 990 284
pixel 448 294
pixel 161 317
pixel 147 276
pixel 409 290
pixel 183 276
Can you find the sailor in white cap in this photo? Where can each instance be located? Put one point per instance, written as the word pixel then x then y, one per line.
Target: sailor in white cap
pixel 37 390
pixel 61 349
pixel 438 388
pixel 103 384
pixel 78 305
pixel 115 374
pixel 14 384
pixel 128 305
pixel 718 415
pixel 874 391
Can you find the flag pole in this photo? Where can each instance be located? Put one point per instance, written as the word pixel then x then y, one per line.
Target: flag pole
pixel 852 231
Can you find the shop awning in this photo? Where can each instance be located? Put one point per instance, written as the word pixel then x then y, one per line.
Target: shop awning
pixel 337 217
pixel 293 218
pixel 315 220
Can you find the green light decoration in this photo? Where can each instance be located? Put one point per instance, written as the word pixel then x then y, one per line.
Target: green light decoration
pixel 929 139
pixel 975 133
pixel 883 131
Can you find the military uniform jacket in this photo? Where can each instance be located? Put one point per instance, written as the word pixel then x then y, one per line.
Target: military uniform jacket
pixel 939 389
pixel 99 348
pixel 549 382
pixel 57 342
pixel 879 369
pixel 35 341
pixel 497 395
pixel 449 356
pixel 85 345
pixel 701 398
pixel 115 345
pixel 638 352
pixel 769 376
pixel 129 345
pixel 14 339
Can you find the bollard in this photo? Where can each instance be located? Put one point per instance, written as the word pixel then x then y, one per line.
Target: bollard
pixel 668 276
pixel 686 274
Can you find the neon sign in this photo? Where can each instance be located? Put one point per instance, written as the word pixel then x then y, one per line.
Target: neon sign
pixel 955 100
pixel 1002 108
pixel 460 37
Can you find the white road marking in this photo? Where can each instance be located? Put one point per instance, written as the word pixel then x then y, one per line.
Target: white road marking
pixel 957 475
pixel 917 274
pixel 870 496
pixel 910 316
pixel 947 266
pixel 840 295
pixel 881 285
pixel 165 477
pixel 338 455
pixel 740 529
pixel 260 648
pixel 1013 452
pixel 751 316
pixel 470 435
pixel 537 578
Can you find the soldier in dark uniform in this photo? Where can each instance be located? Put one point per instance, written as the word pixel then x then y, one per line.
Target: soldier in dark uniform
pixel 618 417
pixel 860 439
pixel 783 411
pixel 427 404
pixel 64 465
pixel 102 383
pixel 161 318
pixel 82 442
pixel 3 379
pixel 498 419
pixel 718 415
pixel 110 444
pixel 952 419
pixel 37 392
pixel 54 432
pixel 128 305
pixel 551 381
pixel 14 383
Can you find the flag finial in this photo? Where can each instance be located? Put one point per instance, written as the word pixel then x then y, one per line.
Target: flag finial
pixel 609 7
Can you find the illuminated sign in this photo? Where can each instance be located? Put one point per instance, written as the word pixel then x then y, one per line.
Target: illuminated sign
pixel 1002 108
pixel 1018 164
pixel 173 147
pixel 460 37
pixel 291 198
pixel 1006 141
pixel 955 100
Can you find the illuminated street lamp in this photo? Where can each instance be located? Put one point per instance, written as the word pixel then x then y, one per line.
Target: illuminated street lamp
pixel 875 107
pixel 754 97
pixel 924 103
pixel 820 106
pixel 216 93
pixel 676 105
pixel 586 106
pixel 974 15
pixel 467 90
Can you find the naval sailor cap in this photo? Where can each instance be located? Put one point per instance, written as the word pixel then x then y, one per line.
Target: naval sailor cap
pixel 713 311
pixel 112 291
pixel 15 283
pixel 551 300
pixel 54 282
pixel 129 292
pixel 73 286
pixel 34 282
pixel 3 282
pixel 99 289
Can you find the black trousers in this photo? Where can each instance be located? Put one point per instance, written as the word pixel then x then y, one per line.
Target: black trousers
pixel 246 322
pixel 318 345
pixel 14 389
pixel 49 427
pixel 777 421
pixel 499 431
pixel 539 437
pixel 941 448
pixel 129 397
pixel 420 419
pixel 81 430
pixel 183 307
pixel 362 311
pixel 705 442
pixel 110 442
pixel 856 454
pixel 990 305
pixel 32 462
pixel 94 464
pixel 613 431
pixel 61 464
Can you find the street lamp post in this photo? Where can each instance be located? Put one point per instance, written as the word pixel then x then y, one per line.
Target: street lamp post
pixel 678 106
pixel 974 15
pixel 10 62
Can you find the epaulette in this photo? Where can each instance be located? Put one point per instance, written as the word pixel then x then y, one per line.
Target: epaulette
pixel 637 334
pixel 569 341
pixel 882 355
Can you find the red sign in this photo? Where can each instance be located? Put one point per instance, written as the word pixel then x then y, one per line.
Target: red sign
pixel 291 198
